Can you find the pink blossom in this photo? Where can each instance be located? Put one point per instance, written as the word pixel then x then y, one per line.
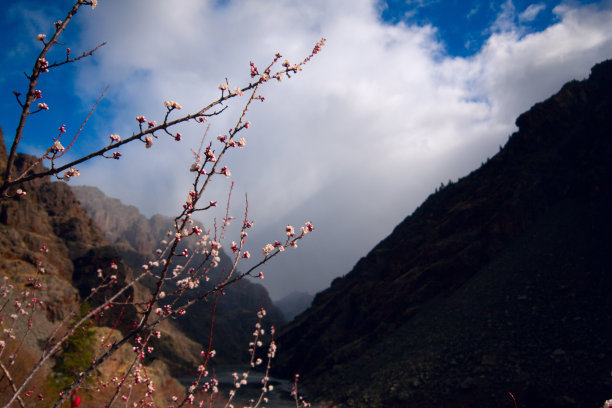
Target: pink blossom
pixel 267 249
pixel 115 138
pixel 225 171
pixel 148 141
pixel 43 106
pixel 290 231
pixel 307 228
pixel 57 147
pixel 43 64
pixel 141 119
pixel 210 156
pixel 41 37
pixel 72 172
pixel 172 105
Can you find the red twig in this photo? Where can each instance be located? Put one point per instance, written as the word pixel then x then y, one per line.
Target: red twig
pixel 513 399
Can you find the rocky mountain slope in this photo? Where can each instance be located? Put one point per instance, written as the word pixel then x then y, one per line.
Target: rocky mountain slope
pixel 47 230
pixel 136 238
pixel 45 235
pixel 497 283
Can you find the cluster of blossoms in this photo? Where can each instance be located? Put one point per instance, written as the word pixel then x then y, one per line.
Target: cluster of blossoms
pixel 71 172
pixel 57 147
pixel 44 64
pixel 172 105
pixel 148 141
pixel 266 250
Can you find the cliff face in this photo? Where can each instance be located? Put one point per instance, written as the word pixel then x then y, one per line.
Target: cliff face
pixel 45 235
pixel 497 283
pixel 136 238
pixel 48 215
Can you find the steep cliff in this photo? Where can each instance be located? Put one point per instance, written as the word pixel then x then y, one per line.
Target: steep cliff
pixel 497 283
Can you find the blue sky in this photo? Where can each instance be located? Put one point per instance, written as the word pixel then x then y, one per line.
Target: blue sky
pixel 404 96
pixel 463 26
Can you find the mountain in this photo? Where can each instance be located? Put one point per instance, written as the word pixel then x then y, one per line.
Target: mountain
pixel 497 283
pixel 136 238
pixel 47 238
pixel 294 303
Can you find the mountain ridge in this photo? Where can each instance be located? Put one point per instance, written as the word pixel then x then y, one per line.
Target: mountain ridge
pixel 554 170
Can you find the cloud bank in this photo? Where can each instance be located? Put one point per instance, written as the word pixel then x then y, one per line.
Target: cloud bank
pixel 352 143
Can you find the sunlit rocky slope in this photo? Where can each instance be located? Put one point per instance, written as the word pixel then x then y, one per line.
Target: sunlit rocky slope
pixel 49 228
pixel 497 283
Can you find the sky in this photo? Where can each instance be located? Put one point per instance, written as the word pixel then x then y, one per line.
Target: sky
pixel 404 95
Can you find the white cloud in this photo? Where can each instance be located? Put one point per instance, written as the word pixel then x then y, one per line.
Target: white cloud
pixel 531 12
pixel 354 142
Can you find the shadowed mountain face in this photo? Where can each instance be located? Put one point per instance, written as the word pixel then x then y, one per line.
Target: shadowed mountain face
pixel 497 283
